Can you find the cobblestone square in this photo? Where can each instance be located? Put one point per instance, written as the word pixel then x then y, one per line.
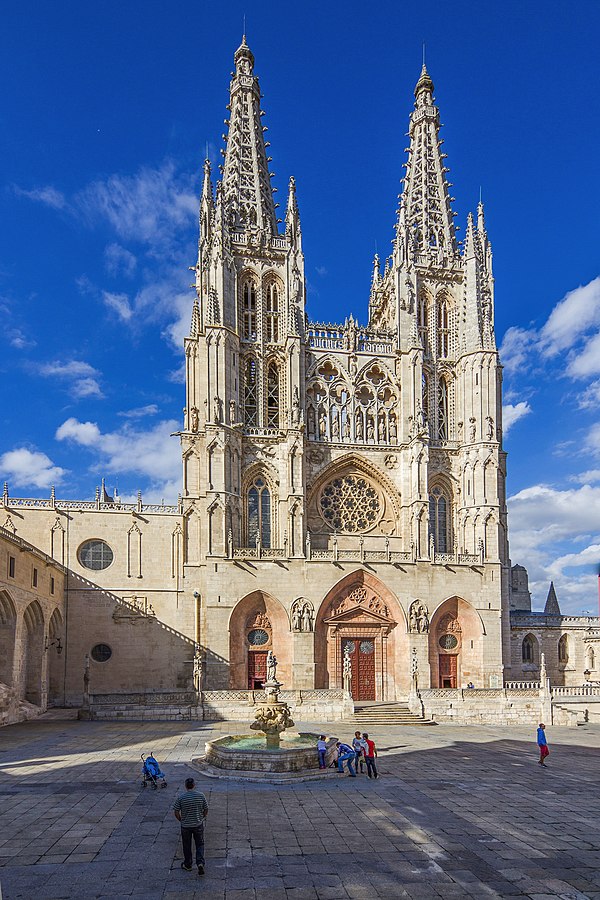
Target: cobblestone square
pixel 457 812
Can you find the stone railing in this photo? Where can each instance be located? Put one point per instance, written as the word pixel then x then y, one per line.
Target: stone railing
pixel 522 685
pixel 250 238
pixel 584 690
pixel 52 503
pixel 326 336
pixel 143 698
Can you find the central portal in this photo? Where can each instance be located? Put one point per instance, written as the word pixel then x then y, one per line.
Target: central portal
pixel 362 655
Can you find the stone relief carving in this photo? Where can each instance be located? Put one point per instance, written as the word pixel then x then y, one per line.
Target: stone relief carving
pixel 418 618
pixel 259 620
pixel 302 615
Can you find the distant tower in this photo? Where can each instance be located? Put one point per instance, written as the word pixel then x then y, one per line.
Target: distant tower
pixel 244 368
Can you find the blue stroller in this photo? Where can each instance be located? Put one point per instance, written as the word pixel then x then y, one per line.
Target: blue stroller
pixel 151 772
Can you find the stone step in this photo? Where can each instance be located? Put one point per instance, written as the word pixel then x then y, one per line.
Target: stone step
pixel 387 714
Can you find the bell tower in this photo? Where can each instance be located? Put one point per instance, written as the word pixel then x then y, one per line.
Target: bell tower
pixel 242 432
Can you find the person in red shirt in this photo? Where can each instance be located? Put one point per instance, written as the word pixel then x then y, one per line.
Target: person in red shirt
pixel 370 754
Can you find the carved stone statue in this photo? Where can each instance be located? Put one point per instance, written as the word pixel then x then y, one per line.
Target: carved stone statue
pixel 322 424
pixel 311 423
pixel 194 419
pixel 198 669
pixel 370 429
pixel 418 619
pixel 271 666
pixel 393 429
pixel 307 616
pixel 296 407
pixel 489 428
pixel 232 412
pixel 296 616
pixel 302 613
pixel 472 430
pixel 335 426
pixel 359 427
pixel 217 410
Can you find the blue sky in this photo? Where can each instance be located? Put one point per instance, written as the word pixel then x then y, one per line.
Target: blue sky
pixel 105 114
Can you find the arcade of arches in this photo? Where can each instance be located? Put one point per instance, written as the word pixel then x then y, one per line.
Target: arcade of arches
pixel 362 617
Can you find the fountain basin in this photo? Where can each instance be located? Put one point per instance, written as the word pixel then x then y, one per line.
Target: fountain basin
pixel 246 756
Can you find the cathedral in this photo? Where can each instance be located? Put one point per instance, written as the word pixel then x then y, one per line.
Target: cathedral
pixel 343 485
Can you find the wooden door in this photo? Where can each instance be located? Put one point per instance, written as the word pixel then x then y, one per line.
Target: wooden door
pixel 257 669
pixel 362 655
pixel 448 669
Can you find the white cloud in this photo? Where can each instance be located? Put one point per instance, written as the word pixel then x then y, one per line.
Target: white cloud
pixel 119 261
pixel 25 467
pixel 119 303
pixel 18 339
pixel 571 318
pixel 48 195
pixel 152 453
pixel 589 477
pixel 517 349
pixel 512 412
pixel 140 412
pixel 81 377
pixel 146 207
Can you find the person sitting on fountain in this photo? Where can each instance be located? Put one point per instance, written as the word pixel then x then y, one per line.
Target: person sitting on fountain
pixel 322 750
pixel 345 755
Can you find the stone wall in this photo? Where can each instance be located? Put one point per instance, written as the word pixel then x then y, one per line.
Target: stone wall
pixel 500 706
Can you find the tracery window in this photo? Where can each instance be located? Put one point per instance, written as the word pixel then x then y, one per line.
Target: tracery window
pixel 443 329
pixel 249 310
pixel 423 323
pixel 350 504
pixel 250 392
pixel 527 649
pixel 439 520
pixel 259 513
pixel 425 395
pixel 442 423
pixel 272 313
pixel 273 396
pixel 563 650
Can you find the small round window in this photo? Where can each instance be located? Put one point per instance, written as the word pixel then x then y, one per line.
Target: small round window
pixel 448 642
pixel 101 653
pixel 95 555
pixel 257 637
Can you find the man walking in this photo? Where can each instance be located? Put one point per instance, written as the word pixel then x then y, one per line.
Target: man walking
pixel 370 754
pixel 542 744
pixel 191 809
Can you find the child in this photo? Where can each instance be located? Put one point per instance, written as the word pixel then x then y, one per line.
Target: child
pixel 322 750
pixel 359 748
pixel 370 754
pixel 542 743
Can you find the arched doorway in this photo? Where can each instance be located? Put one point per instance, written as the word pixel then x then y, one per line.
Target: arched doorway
pixel 455 645
pixel 360 613
pixel 55 663
pixel 8 624
pixel 32 653
pixel 258 624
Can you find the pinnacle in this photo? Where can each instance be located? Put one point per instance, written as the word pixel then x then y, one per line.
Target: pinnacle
pixel 424 83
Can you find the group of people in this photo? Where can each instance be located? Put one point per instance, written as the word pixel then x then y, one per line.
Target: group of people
pixel 362 752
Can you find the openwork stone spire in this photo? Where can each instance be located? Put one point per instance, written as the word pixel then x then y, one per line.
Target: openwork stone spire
pixel 247 191
pixel 426 214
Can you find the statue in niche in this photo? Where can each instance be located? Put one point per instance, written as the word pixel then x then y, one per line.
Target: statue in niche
pixel 359 427
pixel 217 410
pixel 296 616
pixel 346 428
pixel 322 424
pixel 335 425
pixel 311 423
pixel 194 419
pixel 232 416
pixel 185 418
pixel 351 334
pixel 420 420
pixel 489 428
pixel 393 428
pixel 418 619
pixel 347 670
pixel 370 429
pixel 296 407
pixel 472 430
pixel 381 430
pixel 307 616
pixel 271 667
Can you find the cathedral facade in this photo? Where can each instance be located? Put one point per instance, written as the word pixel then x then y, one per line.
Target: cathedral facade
pixel 343 486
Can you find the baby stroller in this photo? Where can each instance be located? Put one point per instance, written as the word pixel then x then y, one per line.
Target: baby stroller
pixel 151 772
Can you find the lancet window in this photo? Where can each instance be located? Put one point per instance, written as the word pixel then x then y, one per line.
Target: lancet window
pixel 442 411
pixel 249 310
pixel 443 329
pixel 563 650
pixel 250 392
pixel 423 323
pixel 273 396
pixel 259 513
pixel 440 516
pixel 528 649
pixel 272 313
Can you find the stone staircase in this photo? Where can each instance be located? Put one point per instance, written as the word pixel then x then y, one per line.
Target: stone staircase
pixel 368 715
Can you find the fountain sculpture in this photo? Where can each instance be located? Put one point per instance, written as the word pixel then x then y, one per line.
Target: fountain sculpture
pixel 271 754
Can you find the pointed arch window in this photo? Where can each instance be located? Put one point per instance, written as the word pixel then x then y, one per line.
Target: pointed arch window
pixel 439 520
pixel 443 329
pixel 250 392
pixel 590 660
pixel 423 323
pixel 563 650
pixel 528 649
pixel 249 310
pixel 273 396
pixel 425 396
pixel 442 422
pixel 272 313
pixel 259 513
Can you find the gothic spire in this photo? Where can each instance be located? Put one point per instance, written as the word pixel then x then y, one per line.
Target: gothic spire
pixel 551 608
pixel 247 191
pixel 427 217
pixel 292 216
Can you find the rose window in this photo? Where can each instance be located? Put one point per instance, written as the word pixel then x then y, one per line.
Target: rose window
pixel 350 504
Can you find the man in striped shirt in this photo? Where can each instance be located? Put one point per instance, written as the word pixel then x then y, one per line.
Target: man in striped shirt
pixel 191 809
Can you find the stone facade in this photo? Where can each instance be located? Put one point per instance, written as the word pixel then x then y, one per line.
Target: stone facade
pixel 343 486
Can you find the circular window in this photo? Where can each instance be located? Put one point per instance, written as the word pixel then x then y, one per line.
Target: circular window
pixel 101 653
pixel 448 642
pixel 350 504
pixel 348 647
pixel 257 637
pixel 367 647
pixel 95 555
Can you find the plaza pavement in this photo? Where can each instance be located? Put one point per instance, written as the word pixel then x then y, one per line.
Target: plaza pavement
pixel 457 812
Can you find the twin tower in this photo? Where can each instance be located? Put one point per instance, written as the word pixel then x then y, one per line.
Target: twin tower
pixel 298 435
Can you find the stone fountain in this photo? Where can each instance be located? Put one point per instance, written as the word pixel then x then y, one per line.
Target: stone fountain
pixel 270 755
